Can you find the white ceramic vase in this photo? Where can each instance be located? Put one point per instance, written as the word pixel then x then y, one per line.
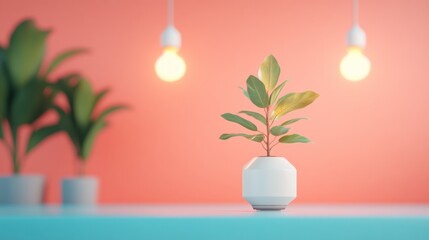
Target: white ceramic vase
pixel 269 183
pixel 22 190
pixel 79 191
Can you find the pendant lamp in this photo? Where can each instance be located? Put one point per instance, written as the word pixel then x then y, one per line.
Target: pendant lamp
pixel 355 66
pixel 170 66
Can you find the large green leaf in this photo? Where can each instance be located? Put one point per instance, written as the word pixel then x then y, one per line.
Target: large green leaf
pixel 274 95
pixel 293 101
pixel 291 121
pixel 294 138
pixel 257 92
pixel 83 104
pixel 279 130
pixel 61 58
pixel 237 119
pixel 255 115
pixel 269 72
pixel 256 138
pixel 38 135
pixel 24 55
pixel 28 104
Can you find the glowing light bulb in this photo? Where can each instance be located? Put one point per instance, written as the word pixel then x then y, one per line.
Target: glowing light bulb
pixel 170 67
pixel 355 66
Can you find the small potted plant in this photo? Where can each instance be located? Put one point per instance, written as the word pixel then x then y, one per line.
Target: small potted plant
pixel 25 95
pixel 82 126
pixel 269 182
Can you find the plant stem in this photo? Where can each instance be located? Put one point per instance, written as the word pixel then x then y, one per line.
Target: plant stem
pixel 14 151
pixel 15 161
pixel 80 168
pixel 268 131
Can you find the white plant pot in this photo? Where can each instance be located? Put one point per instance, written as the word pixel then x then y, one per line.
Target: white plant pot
pixel 81 191
pixel 22 190
pixel 269 183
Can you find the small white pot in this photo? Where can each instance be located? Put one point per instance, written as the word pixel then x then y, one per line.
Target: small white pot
pixel 22 190
pixel 82 191
pixel 269 183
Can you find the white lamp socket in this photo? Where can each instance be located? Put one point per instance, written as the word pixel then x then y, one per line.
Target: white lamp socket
pixel 171 37
pixel 356 37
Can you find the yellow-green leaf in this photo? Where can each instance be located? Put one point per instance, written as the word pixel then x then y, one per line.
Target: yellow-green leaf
pixel 256 138
pixel 274 95
pixel 237 119
pixel 269 72
pixel 293 101
pixel 257 92
pixel 291 121
pixel 294 138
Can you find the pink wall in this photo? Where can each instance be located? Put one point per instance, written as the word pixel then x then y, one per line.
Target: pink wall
pixel 371 138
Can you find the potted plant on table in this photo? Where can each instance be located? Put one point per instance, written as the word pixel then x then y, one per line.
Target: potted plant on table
pixel 269 182
pixel 25 96
pixel 82 126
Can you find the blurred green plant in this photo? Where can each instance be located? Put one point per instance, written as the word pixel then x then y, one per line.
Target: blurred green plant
pixel 79 121
pixel 25 92
pixel 263 92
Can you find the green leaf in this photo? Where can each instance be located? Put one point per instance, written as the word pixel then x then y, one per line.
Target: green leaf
pixel 100 95
pixel 274 95
pixel 237 119
pixel 294 138
pixel 245 92
pixel 293 101
pixel 67 85
pixel 37 136
pixel 269 72
pixel 291 121
pixel 68 126
pixel 279 130
pixel 61 58
pixel 83 104
pixel 110 110
pixel 2 52
pixel 88 142
pixel 24 55
pixel 257 92
pixel 256 138
pixel 95 127
pixel 255 115
pixel 28 104
pixel 4 94
pixel 1 130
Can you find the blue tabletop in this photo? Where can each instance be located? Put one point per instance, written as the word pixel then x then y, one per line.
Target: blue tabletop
pixel 215 222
